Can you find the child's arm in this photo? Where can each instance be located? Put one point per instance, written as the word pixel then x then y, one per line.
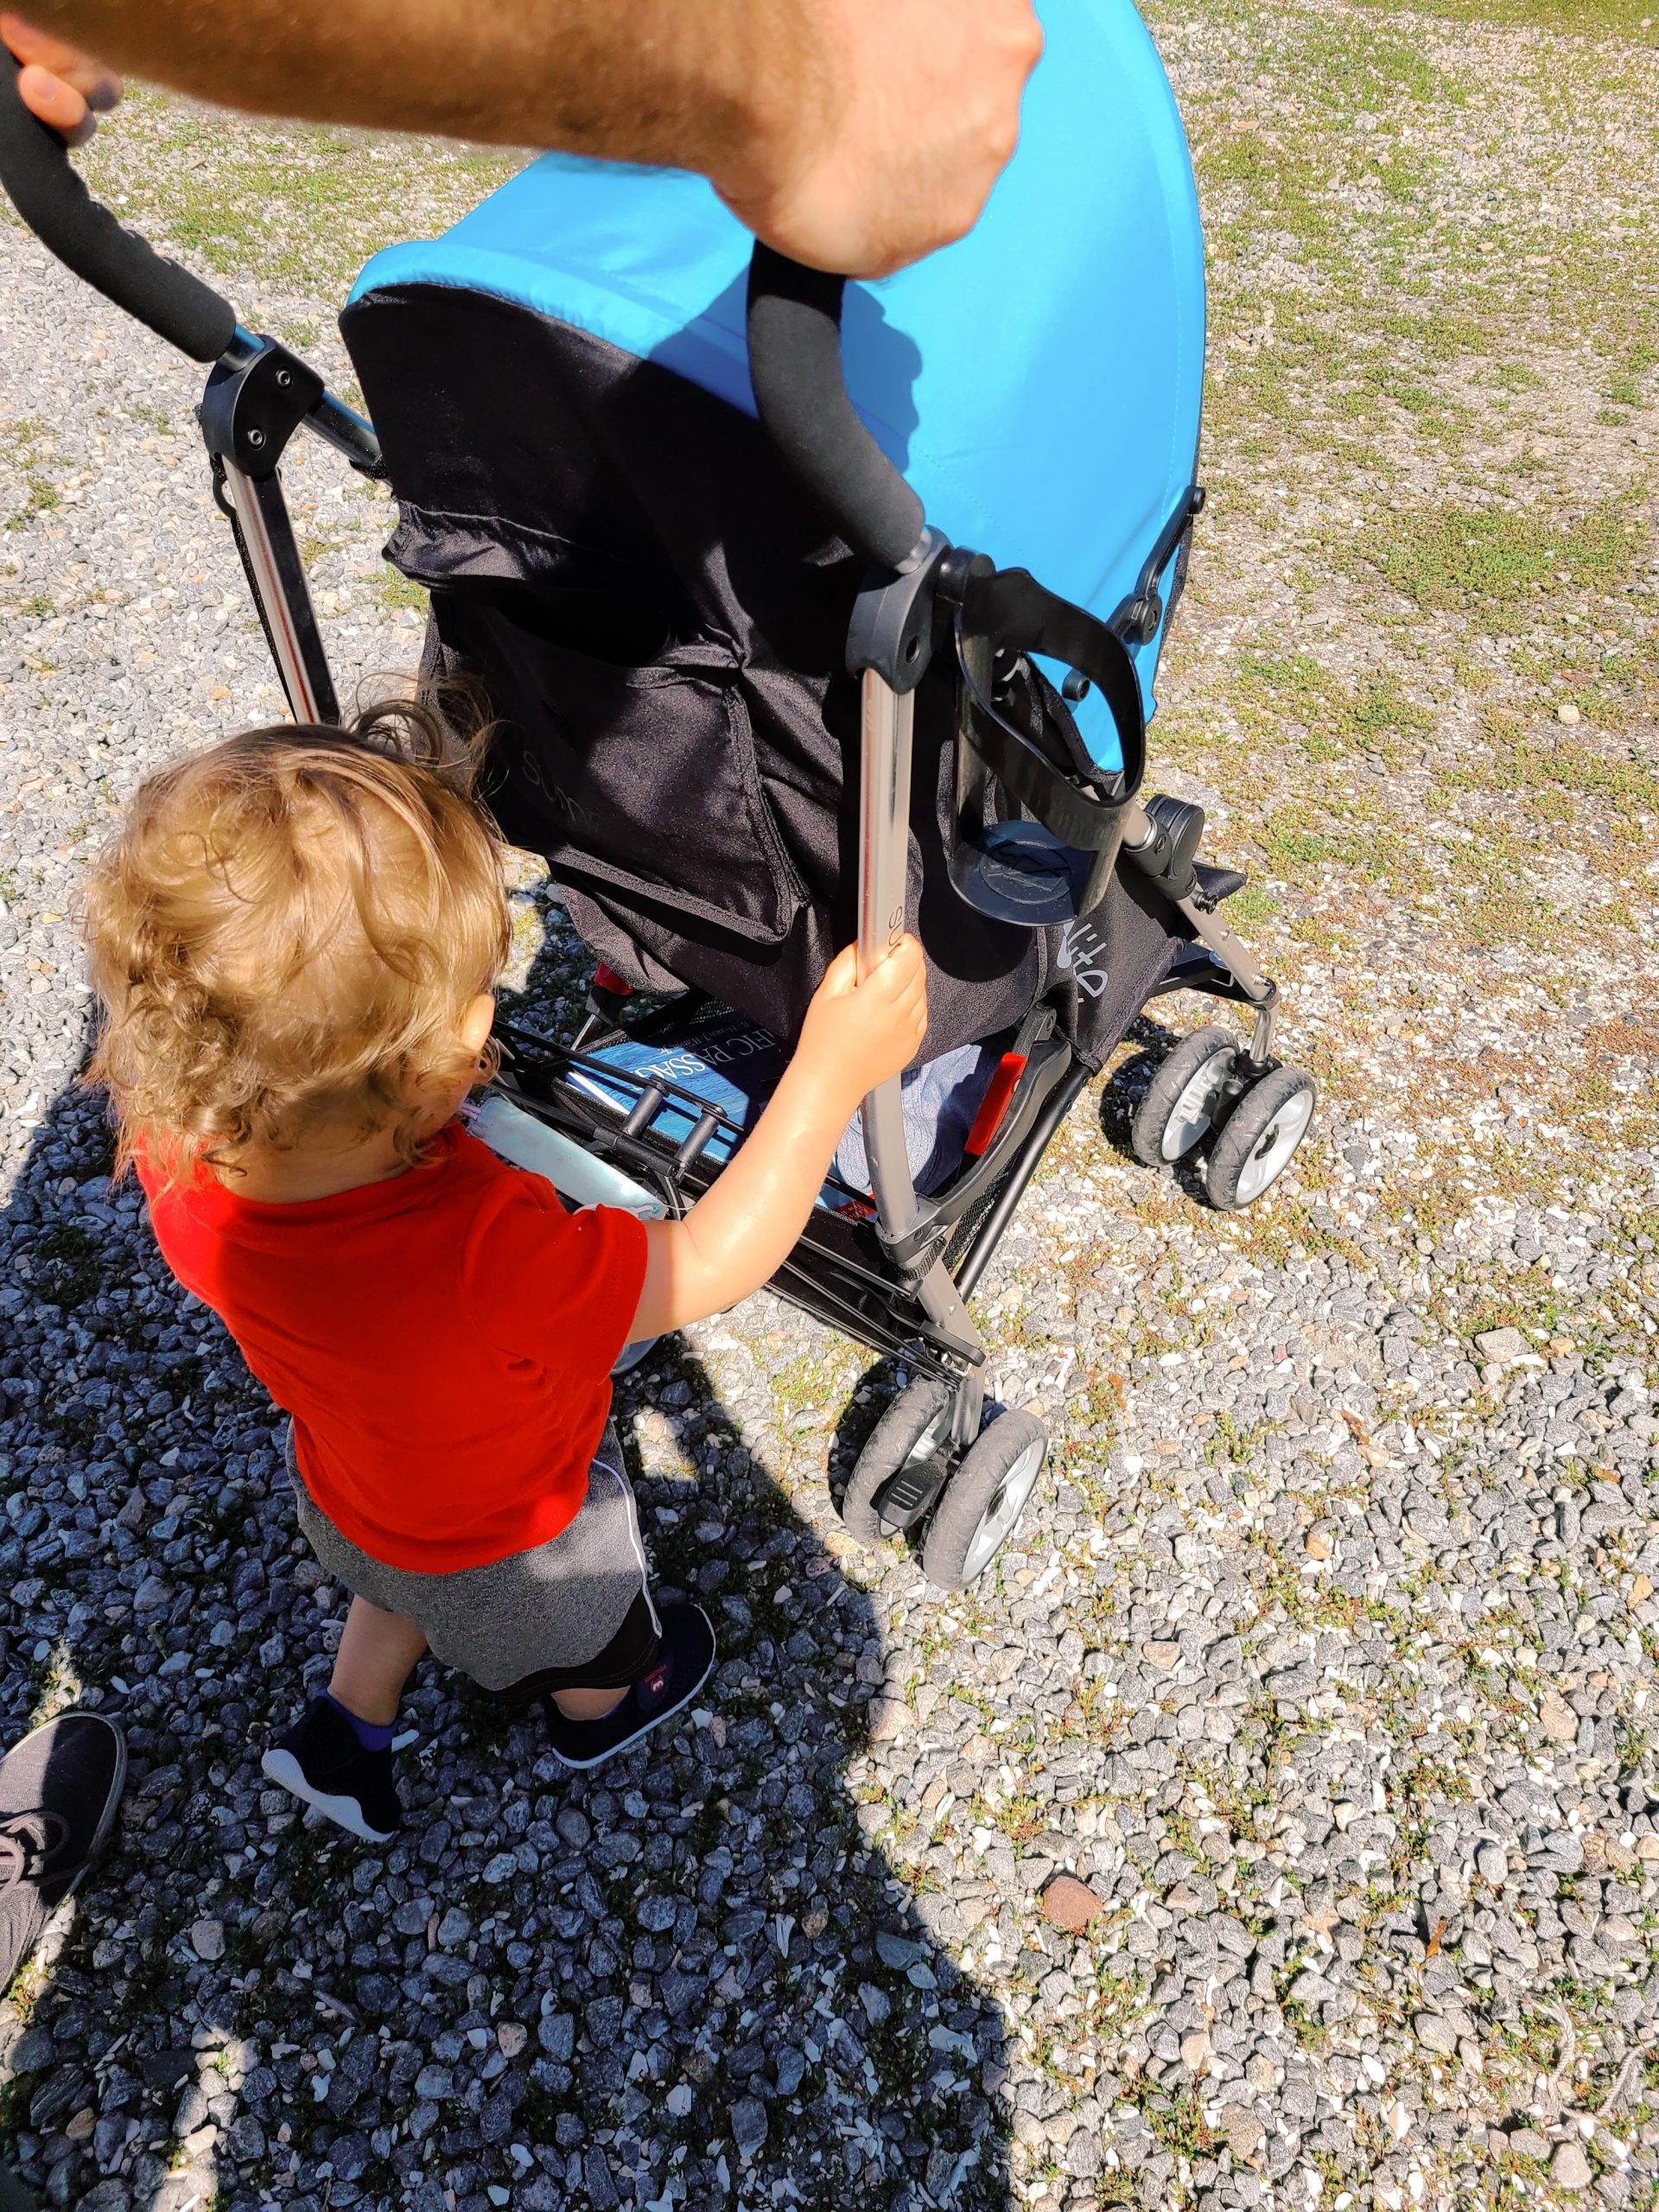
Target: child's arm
pixel 855 1036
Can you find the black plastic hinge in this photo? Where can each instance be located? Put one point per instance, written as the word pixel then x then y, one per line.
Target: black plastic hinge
pixel 891 632
pixel 1138 618
pixel 249 413
pixel 914 1253
pixel 905 1497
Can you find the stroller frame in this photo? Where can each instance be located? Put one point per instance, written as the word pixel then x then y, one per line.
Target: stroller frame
pixel 907 1298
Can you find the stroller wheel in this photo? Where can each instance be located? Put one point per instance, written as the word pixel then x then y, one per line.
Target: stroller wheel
pixel 1261 1138
pixel 910 1435
pixel 1180 1107
pixel 984 1499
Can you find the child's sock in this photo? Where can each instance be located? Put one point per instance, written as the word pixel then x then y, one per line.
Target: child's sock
pixel 372 1736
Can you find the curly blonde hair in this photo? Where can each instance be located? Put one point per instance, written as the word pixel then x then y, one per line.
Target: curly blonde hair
pixel 286 934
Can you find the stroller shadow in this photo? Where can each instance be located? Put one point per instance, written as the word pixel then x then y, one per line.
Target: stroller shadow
pixel 889 361
pixel 684 1979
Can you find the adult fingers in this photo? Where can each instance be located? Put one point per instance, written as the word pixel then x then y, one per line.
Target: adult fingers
pixel 63 86
pixel 924 114
pixel 56 102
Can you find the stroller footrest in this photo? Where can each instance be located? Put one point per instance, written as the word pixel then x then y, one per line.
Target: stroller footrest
pixel 1036 1080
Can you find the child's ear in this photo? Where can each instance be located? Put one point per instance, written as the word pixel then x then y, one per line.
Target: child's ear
pixel 477 1022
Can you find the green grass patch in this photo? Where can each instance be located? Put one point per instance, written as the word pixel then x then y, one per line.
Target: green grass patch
pixel 1624 385
pixel 396 591
pixel 297 205
pixel 1449 558
pixel 1634 20
pixel 1337 719
pixel 25 445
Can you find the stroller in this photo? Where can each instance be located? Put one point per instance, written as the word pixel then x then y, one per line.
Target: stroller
pixel 700 523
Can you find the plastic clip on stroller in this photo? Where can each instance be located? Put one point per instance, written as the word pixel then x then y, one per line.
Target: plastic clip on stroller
pixel 638 576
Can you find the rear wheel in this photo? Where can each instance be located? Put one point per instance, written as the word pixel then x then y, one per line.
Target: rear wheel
pixel 1261 1138
pixel 984 1499
pixel 915 1427
pixel 1180 1109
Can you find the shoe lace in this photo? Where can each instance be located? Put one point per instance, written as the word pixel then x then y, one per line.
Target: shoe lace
pixel 27 1842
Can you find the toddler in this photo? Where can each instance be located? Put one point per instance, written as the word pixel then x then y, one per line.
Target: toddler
pixel 294 939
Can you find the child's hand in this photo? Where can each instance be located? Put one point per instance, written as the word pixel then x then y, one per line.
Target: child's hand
pixel 855 1035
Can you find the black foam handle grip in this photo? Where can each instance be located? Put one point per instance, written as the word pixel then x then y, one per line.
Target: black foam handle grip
pixel 794 320
pixel 44 187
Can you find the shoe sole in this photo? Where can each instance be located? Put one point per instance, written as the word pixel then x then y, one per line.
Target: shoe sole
pixel 282 1767
pixel 96 1849
pixel 639 1736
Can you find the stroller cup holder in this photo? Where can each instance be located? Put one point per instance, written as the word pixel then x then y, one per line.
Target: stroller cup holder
pixel 1019 871
pixel 1036 823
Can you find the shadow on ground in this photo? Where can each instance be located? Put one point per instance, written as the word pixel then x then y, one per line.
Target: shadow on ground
pixel 685 1978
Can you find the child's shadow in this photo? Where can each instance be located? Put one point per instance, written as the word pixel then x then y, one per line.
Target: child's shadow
pixel 757 1989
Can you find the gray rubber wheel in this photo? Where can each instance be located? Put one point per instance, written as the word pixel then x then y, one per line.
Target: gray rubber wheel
pixel 1179 1109
pixel 914 1426
pixel 1260 1139
pixel 984 1499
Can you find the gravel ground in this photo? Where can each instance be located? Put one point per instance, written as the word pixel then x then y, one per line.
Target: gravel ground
pixel 1327 1666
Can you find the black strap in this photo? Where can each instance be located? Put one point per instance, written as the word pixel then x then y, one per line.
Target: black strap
pixel 1051 772
pixel 1013 610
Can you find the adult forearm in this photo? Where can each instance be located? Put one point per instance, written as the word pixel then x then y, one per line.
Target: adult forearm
pixel 699 84
pixel 856 135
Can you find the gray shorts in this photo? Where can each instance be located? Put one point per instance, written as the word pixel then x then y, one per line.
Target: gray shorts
pixel 555 1607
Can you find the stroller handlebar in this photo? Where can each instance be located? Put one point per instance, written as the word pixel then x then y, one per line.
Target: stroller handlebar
pixel 48 194
pixel 794 326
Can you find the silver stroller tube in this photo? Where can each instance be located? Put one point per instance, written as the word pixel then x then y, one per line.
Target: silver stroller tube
pixel 883 869
pixel 883 855
pixel 794 331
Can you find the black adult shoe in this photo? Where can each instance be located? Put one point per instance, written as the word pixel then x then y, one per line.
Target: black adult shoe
pixel 58 1791
pixel 323 1763
pixel 682 1668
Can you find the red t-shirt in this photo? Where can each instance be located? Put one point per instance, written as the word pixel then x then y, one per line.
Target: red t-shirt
pixel 443 1341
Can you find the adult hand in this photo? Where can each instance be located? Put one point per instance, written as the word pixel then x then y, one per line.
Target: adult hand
pixel 63 86
pixel 916 114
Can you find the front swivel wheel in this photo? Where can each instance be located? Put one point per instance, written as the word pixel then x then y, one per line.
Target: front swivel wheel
pixel 896 1469
pixel 1260 1139
pixel 1184 1099
pixel 986 1494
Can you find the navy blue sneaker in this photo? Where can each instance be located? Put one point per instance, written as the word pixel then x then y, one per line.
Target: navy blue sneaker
pixel 321 1761
pixel 681 1670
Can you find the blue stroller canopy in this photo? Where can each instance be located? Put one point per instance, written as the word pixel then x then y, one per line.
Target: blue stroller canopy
pixel 1040 383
